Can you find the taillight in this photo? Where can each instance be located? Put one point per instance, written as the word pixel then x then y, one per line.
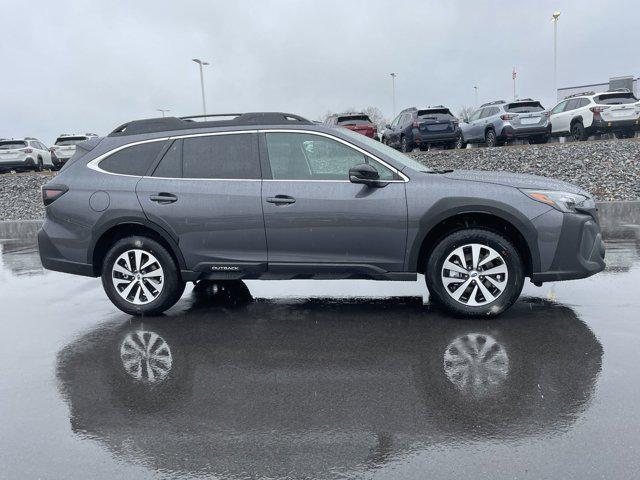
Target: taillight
pixel 507 116
pixel 50 193
pixel 546 114
pixel 26 150
pixel 597 110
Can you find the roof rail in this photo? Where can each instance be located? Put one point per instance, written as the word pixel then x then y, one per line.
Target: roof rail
pixel 495 102
pixel 163 124
pixel 622 90
pixel 30 138
pixel 524 100
pixel 581 94
pixel 435 106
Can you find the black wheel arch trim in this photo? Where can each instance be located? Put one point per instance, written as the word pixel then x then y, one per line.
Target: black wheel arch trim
pixel 106 225
pixel 451 207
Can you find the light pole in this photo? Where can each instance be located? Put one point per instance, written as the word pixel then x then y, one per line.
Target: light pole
pixel 554 19
pixel 162 110
pixel 201 63
pixel 513 77
pixel 393 92
pixel 476 96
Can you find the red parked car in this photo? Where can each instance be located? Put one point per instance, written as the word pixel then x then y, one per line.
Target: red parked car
pixel 358 122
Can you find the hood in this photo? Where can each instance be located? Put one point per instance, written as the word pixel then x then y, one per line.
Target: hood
pixel 517 180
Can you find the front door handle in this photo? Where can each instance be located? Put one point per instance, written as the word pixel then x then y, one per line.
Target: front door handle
pixel 163 198
pixel 281 200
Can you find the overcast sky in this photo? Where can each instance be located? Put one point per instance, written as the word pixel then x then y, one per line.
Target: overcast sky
pixel 88 66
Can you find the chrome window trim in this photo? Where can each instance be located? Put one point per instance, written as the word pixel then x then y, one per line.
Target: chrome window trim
pixel 95 163
pixel 404 177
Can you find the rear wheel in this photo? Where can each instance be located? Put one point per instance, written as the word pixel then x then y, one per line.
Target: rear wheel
pixel 578 132
pixel 140 277
pixel 39 165
pixel 626 134
pixel 475 272
pixel 424 148
pixel 490 138
pixel 460 143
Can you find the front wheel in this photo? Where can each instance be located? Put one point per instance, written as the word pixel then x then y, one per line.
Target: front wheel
pixel 140 277
pixel 490 138
pixel 475 272
pixel 460 143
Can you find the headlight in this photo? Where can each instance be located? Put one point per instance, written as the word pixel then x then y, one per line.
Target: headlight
pixel 563 201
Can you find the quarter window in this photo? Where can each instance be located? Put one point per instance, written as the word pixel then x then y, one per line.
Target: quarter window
pixel 221 156
pixel 301 156
pixel 134 160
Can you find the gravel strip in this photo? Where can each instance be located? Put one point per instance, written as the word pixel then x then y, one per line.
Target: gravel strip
pixel 609 169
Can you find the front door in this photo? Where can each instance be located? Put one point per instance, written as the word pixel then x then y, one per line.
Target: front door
pixel 206 192
pixel 317 221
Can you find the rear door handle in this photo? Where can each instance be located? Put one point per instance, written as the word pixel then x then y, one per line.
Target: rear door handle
pixel 163 197
pixel 281 200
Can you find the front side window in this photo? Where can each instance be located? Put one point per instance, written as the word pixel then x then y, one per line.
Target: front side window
pixel 475 116
pixel 395 121
pixel 134 160
pixel 221 156
pixel 302 156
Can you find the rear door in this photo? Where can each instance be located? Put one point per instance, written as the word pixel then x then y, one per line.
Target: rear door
pixel 206 191
pixel 317 221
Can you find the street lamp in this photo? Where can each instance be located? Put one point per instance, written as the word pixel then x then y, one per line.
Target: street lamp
pixel 476 96
pixel 162 110
pixel 554 19
pixel 393 92
pixel 201 63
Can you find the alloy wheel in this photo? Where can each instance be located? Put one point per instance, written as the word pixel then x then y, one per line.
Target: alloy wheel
pixel 474 275
pixel 137 276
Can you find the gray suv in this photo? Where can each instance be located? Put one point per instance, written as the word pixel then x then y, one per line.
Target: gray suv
pixel 495 123
pixel 165 201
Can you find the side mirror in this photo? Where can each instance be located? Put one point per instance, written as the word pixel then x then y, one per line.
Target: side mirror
pixel 365 174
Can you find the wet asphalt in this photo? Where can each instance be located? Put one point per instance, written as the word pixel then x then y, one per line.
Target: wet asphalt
pixel 304 379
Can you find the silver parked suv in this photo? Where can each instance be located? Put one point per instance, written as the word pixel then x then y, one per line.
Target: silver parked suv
pixel 495 123
pixel 164 201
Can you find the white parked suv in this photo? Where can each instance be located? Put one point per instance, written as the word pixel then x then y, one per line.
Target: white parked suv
pixel 588 113
pixel 24 154
pixel 65 147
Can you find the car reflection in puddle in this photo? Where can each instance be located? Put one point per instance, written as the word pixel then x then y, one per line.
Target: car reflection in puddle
pixel 236 386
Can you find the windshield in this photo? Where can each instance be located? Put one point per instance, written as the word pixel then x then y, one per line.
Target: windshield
pixel 70 140
pixel 524 107
pixel 12 144
pixel 390 152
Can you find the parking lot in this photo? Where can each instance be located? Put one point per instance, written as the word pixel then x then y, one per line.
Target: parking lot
pixel 312 379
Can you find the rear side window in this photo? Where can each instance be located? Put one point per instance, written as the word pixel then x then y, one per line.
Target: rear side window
pixel 134 160
pixel 171 164
pixel 221 156
pixel 524 107
pixel 615 98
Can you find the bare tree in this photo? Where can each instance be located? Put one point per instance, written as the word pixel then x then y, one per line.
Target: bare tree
pixel 377 117
pixel 465 113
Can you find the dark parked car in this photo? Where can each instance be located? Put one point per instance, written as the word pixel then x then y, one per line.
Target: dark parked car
pixel 164 201
pixel 495 123
pixel 358 122
pixel 433 126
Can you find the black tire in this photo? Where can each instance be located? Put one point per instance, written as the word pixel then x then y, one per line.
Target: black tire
pixel 625 134
pixel 490 139
pixel 442 251
pixel 539 140
pixel 172 284
pixel 578 132
pixel 450 145
pixel 405 146
pixel 460 143
pixel 424 148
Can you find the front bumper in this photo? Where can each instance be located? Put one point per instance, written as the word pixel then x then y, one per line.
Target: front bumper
pixel 580 251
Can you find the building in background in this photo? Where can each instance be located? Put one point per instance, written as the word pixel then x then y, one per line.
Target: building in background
pixel 614 82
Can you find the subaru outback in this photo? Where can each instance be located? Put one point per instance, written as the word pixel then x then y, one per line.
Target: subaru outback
pixel 161 202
